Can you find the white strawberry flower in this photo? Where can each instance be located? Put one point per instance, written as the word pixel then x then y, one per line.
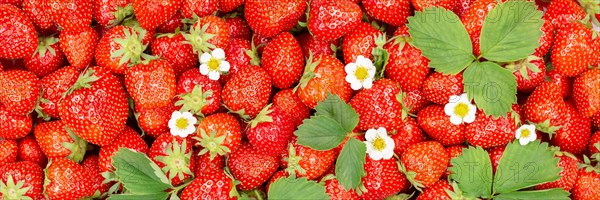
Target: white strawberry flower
pixel 460 109
pixel 182 124
pixel 526 134
pixel 360 73
pixel 379 144
pixel 214 64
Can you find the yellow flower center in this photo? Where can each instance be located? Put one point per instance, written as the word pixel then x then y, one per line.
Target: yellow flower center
pixel 525 133
pixel 461 109
pixel 379 144
pixel 182 123
pixel 361 73
pixel 213 64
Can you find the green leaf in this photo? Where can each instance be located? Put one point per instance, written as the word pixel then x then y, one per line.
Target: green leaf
pixel 554 194
pixel 494 88
pixel 156 196
pixel 335 108
pixel 349 167
pixel 320 133
pixel 138 174
pixel 296 188
pixel 511 31
pixel 523 166
pixel 473 171
pixel 442 38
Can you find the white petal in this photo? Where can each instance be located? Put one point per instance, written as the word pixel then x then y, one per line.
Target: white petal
pixel 362 61
pixel 187 115
pixel 454 99
pixel 532 136
pixel 455 120
pixel 449 108
pixel 387 154
pixel 172 124
pixel 389 142
pixel 204 69
pixel 350 68
pixel 224 66
pixel 368 83
pixel 205 57
pixel 464 96
pixel 356 85
pixel 350 78
pixel 531 127
pixel 370 135
pixel 469 118
pixel 192 121
pixel 472 109
pixel 523 141
pixel 383 130
pixel 218 53
pixel 369 146
pixel 214 75
pixel 518 132
pixel 376 155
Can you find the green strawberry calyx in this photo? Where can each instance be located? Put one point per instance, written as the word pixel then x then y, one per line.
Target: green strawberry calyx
pixel 84 81
pixel 263 116
pixel 77 148
pixel 177 160
pixel 198 38
pixel 195 100
pixel 120 14
pixel 12 190
pixel 410 176
pixel 212 144
pixel 293 161
pixel 132 48
pixel 45 45
pixel 309 71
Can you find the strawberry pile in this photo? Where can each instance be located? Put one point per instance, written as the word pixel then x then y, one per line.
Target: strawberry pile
pixel 299 99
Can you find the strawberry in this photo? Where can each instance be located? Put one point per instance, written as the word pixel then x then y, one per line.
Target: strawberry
pixel 305 161
pixel 199 8
pixel 546 40
pixel 436 191
pixel 238 27
pixel 336 191
pixel 359 42
pixel 219 134
pixel 268 18
pixel 473 18
pixel 14 126
pixel 378 107
pixel 406 64
pixel 91 166
pixel 151 84
pixel 229 5
pixel 488 131
pixel 568 174
pixel 383 179
pixel 408 134
pixel 173 48
pixel 19 91
pixel 12 2
pixel 594 140
pixel 394 13
pixel 495 155
pixel 120 46
pixel 289 103
pixel 39 13
pixel 171 25
pixel 424 163
pixel 561 12
pixel 198 93
pixel 413 101
pixel 527 77
pixel 71 14
pixel 95 108
pixel 453 152
pixel 111 12
pixel 55 85
pixel 596 121
pixel 215 186
pixel 437 125
pixel 574 49
pixel 565 84
pixel 282 59
pixel 237 56
pixel 311 45
pixel 586 94
pixel 270 131
pixel 58 141
pixel 18 38
pixel 29 150
pixel 237 97
pixel 79 46
pixel 205 166
pixel 173 155
pixel 329 20
pixel 545 107
pixel 251 167
pixel 438 88
pixel 61 183
pixel 587 185
pixel 155 121
pixel 462 6
pixel 150 14
pixel 130 139
pixel 574 133
pixel 8 151
pixel 323 74
pixel 47 58
pixel 208 33
pixel 21 180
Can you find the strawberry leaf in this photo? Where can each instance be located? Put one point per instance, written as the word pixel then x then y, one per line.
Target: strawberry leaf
pixel 511 31
pixel 523 166
pixel 557 193
pixel 442 38
pixel 320 133
pixel 157 196
pixel 296 188
pixel 335 108
pixel 138 174
pixel 349 167
pixel 472 170
pixel 492 87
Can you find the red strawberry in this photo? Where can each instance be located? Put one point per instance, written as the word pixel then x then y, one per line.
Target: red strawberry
pixel 587 185
pixel 55 85
pixel 238 27
pixel 97 112
pixel 395 13
pixel 408 134
pixel 219 134
pixel 199 95
pixel 208 33
pixel 586 94
pixel 173 155
pixel 462 6
pixel 205 166
pixel 311 45
pixel 488 131
pixel 495 155
pixel 438 88
pixel 71 14
pixel 111 12
pixel 420 5
pixel 428 160
pixel 268 18
pixel 237 97
pixel 14 126
pixel 215 186
pixel 282 59
pixel 406 64
pixel 39 13
pixel 270 131
pixel 151 84
pixel 594 140
pixel 229 5
pixel 378 107
pixel 126 41
pixel 171 25
pixel 175 49
pixel 596 121
pixel 21 180
pixel 574 133
pixel 453 152
pixel 560 12
pixel 29 150
pixel 527 77
pixel 473 20
pixel 152 13
pixel 545 107
pixel 237 56
pixel 336 191
pixel 565 84
pixel 20 91
pixel 434 121
pixel 47 58
pixel 61 182
pixel 323 74
pixel 251 167
pixel 360 42
pixel 130 139
pixel 155 121
pixel 289 103
pixel 383 179
pixel 437 191
pixel 79 46
pixel 330 19
pixel 568 174
pixel 305 161
pixel 547 39
pixel 199 8
pixel 91 166
pixel 57 141
pixel 18 38
pixel 8 151
pixel 574 49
